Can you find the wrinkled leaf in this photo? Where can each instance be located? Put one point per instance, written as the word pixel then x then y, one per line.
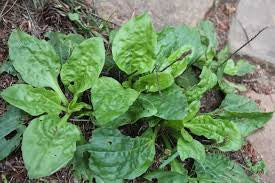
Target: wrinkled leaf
pixel 241 68
pixel 34 101
pixel 167 177
pixel 205 125
pixel 140 109
pixel 207 82
pixel 171 104
pixel 110 100
pixel 176 39
pixel 48 145
pixel 115 156
pixel 134 45
pixel 218 168
pixel 154 82
pixel 64 44
pixel 224 132
pixel 9 122
pixel 178 61
pixel 193 149
pixel 34 59
pixel 82 69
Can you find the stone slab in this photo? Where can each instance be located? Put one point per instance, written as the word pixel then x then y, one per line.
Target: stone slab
pixel 251 17
pixel 264 139
pixel 163 12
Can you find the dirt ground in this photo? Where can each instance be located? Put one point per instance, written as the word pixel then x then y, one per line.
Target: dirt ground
pixel 52 17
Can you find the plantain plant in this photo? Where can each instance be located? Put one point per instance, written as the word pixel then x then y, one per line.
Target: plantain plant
pixel 161 89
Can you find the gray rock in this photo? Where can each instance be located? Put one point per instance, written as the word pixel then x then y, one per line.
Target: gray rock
pixel 164 12
pixel 251 17
pixel 263 140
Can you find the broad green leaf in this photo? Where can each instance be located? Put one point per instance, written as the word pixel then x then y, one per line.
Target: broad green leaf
pixel 64 44
pixel 166 44
pixel 176 39
pixel 34 101
pixel 193 149
pixel 218 168
pixel 114 156
pixel 241 68
pixel 230 87
pixel 34 59
pixel 192 111
pixel 134 46
pixel 110 100
pixel 223 54
pixel 171 104
pixel 247 122
pixel 140 109
pixel 154 82
pixel 224 132
pixel 82 69
pixel 207 82
pixel 207 30
pixel 178 61
pixel 48 145
pixel 9 122
pixel 207 126
pixel 233 140
pixel 237 103
pixel 112 35
pixel 167 177
pixel 244 112
pixel 187 79
pixel 189 36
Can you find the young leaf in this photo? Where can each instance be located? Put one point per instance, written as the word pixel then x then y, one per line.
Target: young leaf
pixel 154 82
pixel 34 101
pixel 82 69
pixel 48 145
pixel 140 109
pixel 134 46
pixel 171 104
pixel 34 59
pixel 64 44
pixel 193 149
pixel 115 156
pixel 110 100
pixel 9 122
pixel 208 81
pixel 218 168
pixel 167 177
pixel 240 69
